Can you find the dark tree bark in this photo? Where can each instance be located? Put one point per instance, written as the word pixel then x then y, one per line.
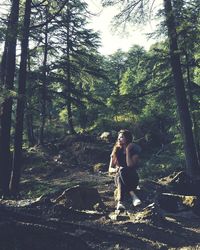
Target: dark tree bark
pixel 18 140
pixel 192 107
pixel 44 85
pixel 3 70
pixel 183 110
pixel 83 119
pixel 4 56
pixel 29 127
pixel 3 63
pixel 29 115
pixel 5 155
pixel 68 89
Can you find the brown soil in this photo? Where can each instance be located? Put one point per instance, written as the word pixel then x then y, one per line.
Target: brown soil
pixel 52 225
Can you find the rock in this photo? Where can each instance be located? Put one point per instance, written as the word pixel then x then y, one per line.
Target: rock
pixel 177 203
pixel 150 214
pixel 106 136
pixel 149 190
pixel 81 198
pixel 100 167
pixel 118 216
pixel 182 184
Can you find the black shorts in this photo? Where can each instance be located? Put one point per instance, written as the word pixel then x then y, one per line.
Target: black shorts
pixel 127 177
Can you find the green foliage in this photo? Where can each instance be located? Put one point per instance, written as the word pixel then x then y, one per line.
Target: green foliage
pixel 154 166
pixel 63 115
pixel 5 94
pixel 116 124
pixel 132 89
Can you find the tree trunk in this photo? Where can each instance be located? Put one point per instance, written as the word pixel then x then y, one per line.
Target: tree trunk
pixel 192 107
pixel 29 126
pixel 28 114
pixel 3 63
pixel 83 119
pixel 3 71
pixel 68 89
pixel 5 155
pixel 18 140
pixel 44 84
pixel 4 56
pixel 183 110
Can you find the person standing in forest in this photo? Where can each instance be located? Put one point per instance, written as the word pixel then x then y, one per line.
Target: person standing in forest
pixel 124 161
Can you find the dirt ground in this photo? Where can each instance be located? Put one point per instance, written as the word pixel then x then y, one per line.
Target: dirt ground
pixel 145 227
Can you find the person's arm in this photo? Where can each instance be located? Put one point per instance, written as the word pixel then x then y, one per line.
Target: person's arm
pixel 113 166
pixel 129 160
pixel 111 169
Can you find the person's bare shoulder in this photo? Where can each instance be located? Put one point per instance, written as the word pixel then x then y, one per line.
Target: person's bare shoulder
pixel 130 146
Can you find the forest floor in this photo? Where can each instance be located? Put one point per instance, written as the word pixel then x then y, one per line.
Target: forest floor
pixel 166 219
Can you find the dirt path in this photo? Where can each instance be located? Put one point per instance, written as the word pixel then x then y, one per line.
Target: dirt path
pixel 48 173
pixel 103 230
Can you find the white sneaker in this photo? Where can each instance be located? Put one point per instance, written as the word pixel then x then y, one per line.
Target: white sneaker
pixel 136 201
pixel 120 206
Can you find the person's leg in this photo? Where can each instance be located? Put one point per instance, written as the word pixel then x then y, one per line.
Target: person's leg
pixel 124 175
pixel 135 200
pixel 120 192
pixel 132 182
pixel 128 182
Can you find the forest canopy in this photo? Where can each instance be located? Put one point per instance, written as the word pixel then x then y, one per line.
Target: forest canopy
pixel 54 81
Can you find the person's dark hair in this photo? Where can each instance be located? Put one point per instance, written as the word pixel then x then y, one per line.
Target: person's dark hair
pixel 128 136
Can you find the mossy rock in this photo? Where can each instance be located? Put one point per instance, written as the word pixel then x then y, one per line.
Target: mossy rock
pixel 100 167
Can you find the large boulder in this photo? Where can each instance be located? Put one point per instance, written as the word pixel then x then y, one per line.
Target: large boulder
pixel 80 198
pixel 181 183
pixel 178 203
